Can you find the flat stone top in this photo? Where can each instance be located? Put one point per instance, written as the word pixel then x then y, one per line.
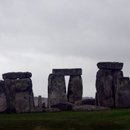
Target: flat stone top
pixel 110 65
pixel 75 71
pixel 17 75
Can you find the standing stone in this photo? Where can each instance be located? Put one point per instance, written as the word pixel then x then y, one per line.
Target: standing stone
pixel 122 93
pixel 3 101
pixel 105 82
pixel 10 95
pixel 75 89
pixel 19 94
pixel 24 101
pixel 56 89
pixel 39 101
pixel 104 88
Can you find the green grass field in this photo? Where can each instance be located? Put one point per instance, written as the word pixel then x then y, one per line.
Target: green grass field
pixel 100 120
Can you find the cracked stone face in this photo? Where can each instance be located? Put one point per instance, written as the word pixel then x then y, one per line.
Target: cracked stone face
pixel 19 93
pixel 122 99
pixel 75 89
pixel 56 89
pixel 113 90
pixel 104 86
pixel 3 101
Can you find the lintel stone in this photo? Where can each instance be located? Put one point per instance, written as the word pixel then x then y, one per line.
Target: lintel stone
pixel 67 72
pixel 16 75
pixel 110 65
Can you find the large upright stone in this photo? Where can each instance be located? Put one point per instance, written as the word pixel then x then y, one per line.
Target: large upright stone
pixel 19 94
pixel 75 89
pixel 3 101
pixel 105 82
pixel 74 72
pixel 122 99
pixel 24 99
pixel 10 95
pixel 56 89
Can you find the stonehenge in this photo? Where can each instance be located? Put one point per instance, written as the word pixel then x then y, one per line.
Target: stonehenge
pixel 112 88
pixel 16 94
pixel 57 86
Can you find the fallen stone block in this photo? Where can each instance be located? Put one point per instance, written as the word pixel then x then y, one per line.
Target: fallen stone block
pixel 63 106
pixel 89 108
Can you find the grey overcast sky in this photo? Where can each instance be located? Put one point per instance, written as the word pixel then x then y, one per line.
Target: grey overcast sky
pixel 38 35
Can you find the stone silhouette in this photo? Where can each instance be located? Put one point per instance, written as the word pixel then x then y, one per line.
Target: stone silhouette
pixel 75 89
pixel 67 72
pixel 3 100
pixel 113 90
pixel 57 88
pixel 40 101
pixel 122 95
pixel 16 92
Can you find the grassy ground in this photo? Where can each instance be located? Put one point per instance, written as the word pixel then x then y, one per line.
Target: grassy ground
pixel 101 120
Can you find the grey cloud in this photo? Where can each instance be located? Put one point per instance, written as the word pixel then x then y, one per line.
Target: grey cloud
pixel 37 33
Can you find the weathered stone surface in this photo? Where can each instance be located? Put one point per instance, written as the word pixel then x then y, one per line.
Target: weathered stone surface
pixel 56 89
pixel 3 101
pixel 110 65
pixel 122 99
pixel 76 71
pixel 9 88
pixel 23 102
pixel 17 75
pixel 75 89
pixel 105 87
pixel 19 95
pixel 65 106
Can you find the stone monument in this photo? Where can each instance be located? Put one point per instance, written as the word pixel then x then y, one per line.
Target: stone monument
pixel 19 93
pixel 57 86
